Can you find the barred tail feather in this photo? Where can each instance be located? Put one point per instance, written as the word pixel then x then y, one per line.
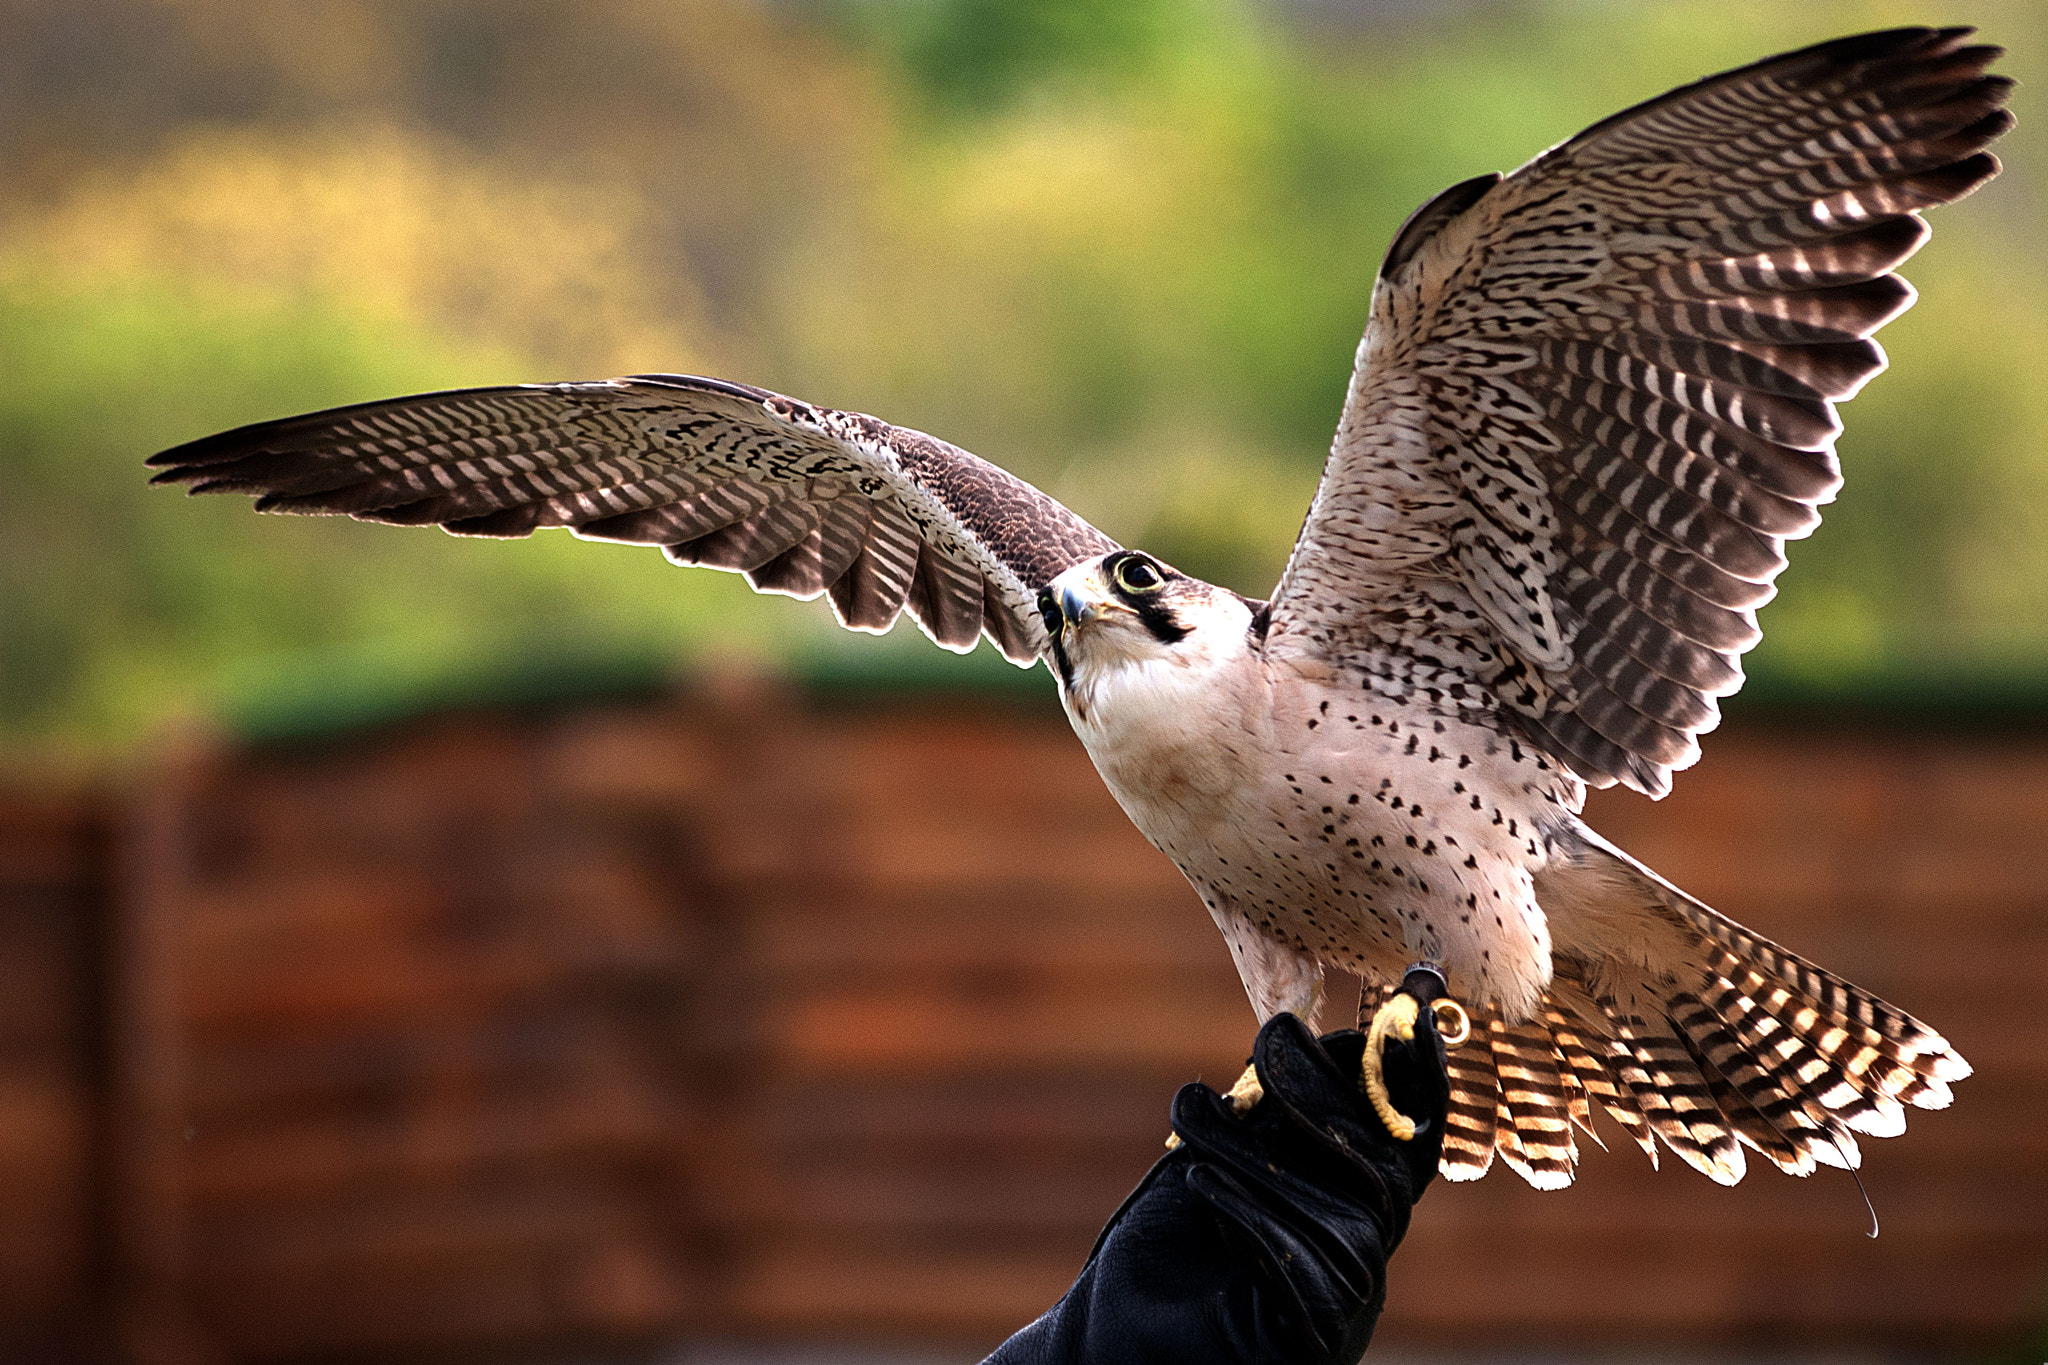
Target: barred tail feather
pixel 1820 997
pixel 1472 1125
pixel 1846 1075
pixel 1593 1075
pixel 1573 1062
pixel 1644 1052
pixel 1701 1038
pixel 1702 1081
pixel 1532 1123
pixel 1693 1033
pixel 1761 1116
pixel 1860 1056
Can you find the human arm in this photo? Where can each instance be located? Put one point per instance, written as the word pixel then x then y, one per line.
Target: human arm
pixel 1262 1237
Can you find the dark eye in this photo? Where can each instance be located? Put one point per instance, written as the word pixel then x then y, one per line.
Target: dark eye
pixel 1138 576
pixel 1049 608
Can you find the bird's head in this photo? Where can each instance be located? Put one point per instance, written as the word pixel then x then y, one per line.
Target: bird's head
pixel 1127 612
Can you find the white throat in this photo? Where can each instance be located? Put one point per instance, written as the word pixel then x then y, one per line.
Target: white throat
pixel 1158 718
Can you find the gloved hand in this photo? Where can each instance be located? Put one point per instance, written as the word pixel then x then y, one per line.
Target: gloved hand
pixel 1261 1238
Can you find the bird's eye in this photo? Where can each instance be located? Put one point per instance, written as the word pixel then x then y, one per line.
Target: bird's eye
pixel 1138 576
pixel 1049 608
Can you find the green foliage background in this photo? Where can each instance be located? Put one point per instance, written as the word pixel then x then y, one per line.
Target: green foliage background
pixel 1124 250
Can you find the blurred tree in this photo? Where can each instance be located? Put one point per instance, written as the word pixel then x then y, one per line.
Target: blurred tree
pixel 976 56
pixel 730 123
pixel 1125 250
pixel 390 224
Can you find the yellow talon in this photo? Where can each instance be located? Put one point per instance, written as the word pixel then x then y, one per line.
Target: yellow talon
pixel 1396 1017
pixel 1246 1093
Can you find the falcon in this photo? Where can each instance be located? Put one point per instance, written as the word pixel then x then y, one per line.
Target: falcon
pixel 1594 399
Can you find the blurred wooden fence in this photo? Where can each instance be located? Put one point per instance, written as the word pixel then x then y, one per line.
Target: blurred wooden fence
pixel 746 1016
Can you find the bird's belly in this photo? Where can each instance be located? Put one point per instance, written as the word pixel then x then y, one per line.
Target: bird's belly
pixel 1374 836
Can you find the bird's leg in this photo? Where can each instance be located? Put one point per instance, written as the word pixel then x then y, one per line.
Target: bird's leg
pixel 1423 984
pixel 1279 978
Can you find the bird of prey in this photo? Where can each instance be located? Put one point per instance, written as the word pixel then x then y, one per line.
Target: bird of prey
pixel 1594 399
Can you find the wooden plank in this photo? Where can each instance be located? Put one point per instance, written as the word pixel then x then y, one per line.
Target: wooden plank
pixel 1120 1022
pixel 996 1204
pixel 548 1045
pixel 470 1297
pixel 151 1265
pixel 46 1165
pixel 53 903
pixel 45 941
pixel 51 840
pixel 976 1294
pixel 516 1136
pixel 1095 1113
pixel 1026 926
pixel 460 1267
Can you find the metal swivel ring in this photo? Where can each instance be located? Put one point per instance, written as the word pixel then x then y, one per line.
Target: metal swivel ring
pixel 1453 1025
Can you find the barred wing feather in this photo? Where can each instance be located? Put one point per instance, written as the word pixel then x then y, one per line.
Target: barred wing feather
pixel 803 500
pixel 1595 398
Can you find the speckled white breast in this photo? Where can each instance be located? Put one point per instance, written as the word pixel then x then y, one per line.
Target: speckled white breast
pixel 1344 828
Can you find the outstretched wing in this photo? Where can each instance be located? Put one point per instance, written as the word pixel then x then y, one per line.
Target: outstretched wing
pixel 1595 399
pixel 803 500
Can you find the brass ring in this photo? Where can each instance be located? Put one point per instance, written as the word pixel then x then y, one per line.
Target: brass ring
pixel 1451 1020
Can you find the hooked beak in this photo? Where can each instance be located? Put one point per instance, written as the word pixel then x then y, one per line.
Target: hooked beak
pixel 1081 598
pixel 1076 608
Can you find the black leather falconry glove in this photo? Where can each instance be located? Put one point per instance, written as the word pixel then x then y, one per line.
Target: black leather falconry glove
pixel 1262 1238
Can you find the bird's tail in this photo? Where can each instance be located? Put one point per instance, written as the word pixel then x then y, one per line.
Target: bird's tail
pixel 1708 1039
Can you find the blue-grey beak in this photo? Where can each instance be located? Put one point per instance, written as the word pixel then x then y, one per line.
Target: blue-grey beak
pixel 1075 608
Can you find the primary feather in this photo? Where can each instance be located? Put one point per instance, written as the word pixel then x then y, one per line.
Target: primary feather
pixel 1595 398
